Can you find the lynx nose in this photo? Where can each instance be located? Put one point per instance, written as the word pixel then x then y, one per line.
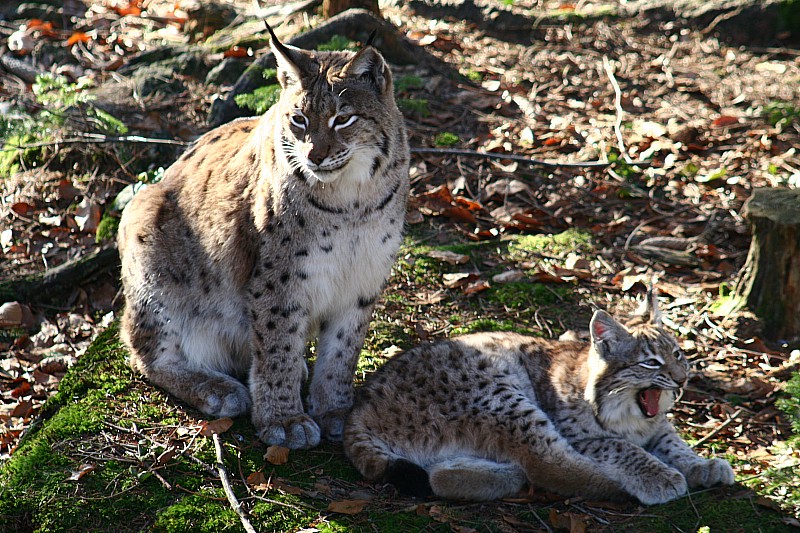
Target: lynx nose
pixel 318 152
pixel 678 374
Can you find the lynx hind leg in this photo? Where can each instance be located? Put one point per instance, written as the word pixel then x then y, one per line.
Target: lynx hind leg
pixel 157 353
pixel 472 478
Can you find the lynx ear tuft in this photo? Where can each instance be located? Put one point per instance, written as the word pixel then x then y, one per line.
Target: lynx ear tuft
pixel 288 59
pixel 371 38
pixel 368 64
pixel 648 310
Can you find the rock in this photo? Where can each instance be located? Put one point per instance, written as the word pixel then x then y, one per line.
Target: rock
pixel 227 71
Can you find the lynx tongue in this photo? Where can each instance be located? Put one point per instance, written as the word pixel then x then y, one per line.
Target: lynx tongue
pixel 648 400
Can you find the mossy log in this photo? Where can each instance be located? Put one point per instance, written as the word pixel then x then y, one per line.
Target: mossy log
pixel 769 283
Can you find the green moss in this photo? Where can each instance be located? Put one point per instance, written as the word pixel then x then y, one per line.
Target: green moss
pixel 337 43
pixel 261 99
pixel 571 240
pixel 789 403
pixel 407 82
pixel 474 75
pixel 720 514
pixel 486 324
pixel 780 113
pixel 414 106
pixel 523 295
pixel 446 139
pixel 199 513
pixel 107 228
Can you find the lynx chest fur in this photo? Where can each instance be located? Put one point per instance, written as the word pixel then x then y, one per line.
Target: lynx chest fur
pixel 479 416
pixel 267 232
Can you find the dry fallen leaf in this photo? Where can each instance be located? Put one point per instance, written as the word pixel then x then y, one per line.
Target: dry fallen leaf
pixel 347 506
pixel 220 425
pixel 87 215
pixel 258 481
pixel 277 455
pixel 80 472
pixel 572 522
pixel 78 37
pixel 288 489
pixel 476 286
pixel 724 120
pixel 509 276
pixel 457 279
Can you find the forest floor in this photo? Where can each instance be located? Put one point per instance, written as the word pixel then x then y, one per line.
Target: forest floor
pixel 493 244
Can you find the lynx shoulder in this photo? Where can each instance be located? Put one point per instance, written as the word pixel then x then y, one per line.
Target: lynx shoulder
pixel 267 232
pixel 480 416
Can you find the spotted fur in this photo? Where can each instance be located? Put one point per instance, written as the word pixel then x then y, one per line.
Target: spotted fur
pixel 477 417
pixel 270 231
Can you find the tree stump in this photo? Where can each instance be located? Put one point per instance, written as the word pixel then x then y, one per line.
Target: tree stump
pixel 769 283
pixel 334 7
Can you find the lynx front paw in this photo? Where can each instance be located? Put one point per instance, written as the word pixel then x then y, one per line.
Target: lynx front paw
pixel 660 487
pixel 295 432
pixel 223 397
pixel 710 473
pixel 332 424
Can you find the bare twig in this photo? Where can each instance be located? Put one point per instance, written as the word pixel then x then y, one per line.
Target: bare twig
pixel 722 426
pixel 226 484
pixel 618 106
pixel 541 521
pixel 525 159
pixel 96 138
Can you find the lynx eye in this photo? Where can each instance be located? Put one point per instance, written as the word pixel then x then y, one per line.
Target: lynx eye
pixel 651 363
pixel 298 120
pixel 341 121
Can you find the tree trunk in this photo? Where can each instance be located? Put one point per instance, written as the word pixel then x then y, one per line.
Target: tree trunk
pixel 769 283
pixel 334 7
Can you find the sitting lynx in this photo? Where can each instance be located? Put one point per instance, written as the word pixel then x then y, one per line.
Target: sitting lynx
pixel 477 417
pixel 268 231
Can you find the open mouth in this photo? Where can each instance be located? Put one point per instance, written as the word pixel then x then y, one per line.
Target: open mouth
pixel 649 401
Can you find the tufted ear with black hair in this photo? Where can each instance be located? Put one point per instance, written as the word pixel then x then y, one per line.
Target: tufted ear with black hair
pixel 648 310
pixel 289 60
pixel 368 64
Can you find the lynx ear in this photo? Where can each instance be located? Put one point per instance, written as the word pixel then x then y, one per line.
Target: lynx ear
pixel 288 59
pixel 606 332
pixel 368 64
pixel 648 309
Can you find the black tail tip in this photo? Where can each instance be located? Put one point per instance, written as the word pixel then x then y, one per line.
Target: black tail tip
pixel 409 479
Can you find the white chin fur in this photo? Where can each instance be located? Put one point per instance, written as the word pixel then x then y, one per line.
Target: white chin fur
pixel 325 177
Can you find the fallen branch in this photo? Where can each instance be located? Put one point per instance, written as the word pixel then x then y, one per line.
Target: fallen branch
pixel 49 286
pixel 226 485
pixel 525 159
pixel 99 138
pixel 95 138
pixel 722 426
pixel 618 106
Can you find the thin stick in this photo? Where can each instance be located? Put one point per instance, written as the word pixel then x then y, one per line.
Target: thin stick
pixel 96 138
pixel 618 106
pixel 226 484
pixel 722 426
pixel 92 138
pixel 524 159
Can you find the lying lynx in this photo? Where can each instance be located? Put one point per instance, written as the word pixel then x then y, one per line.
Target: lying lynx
pixel 268 231
pixel 477 417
